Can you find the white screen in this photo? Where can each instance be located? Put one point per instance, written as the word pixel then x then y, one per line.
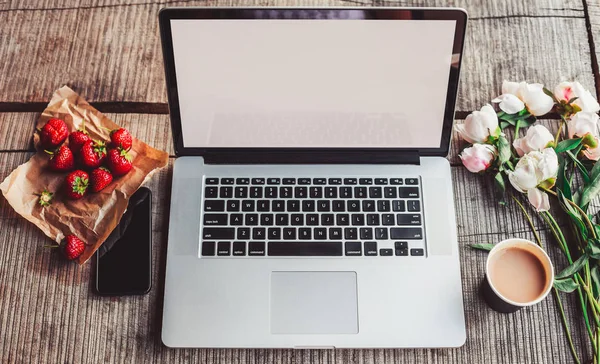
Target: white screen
pixel 312 83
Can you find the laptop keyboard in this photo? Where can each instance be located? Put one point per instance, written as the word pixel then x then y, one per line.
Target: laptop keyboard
pixel 296 217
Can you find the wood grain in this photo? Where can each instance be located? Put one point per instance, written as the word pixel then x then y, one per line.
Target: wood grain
pixel 110 51
pixel 49 314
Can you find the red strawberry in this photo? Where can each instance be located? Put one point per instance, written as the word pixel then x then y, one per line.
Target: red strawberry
pixel 119 161
pixel 53 133
pixel 100 178
pixel 92 154
pixel 76 184
pixel 62 159
pixel 45 198
pixel 121 138
pixel 73 247
pixel 77 139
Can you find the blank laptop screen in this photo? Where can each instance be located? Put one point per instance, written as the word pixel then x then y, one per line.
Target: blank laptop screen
pixel 312 83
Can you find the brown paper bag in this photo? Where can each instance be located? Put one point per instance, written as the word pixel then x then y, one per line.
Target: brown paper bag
pixel 93 217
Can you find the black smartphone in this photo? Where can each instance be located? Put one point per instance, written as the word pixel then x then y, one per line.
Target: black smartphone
pixel 126 268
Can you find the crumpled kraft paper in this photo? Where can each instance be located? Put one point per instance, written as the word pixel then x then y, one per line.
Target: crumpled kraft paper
pixel 93 217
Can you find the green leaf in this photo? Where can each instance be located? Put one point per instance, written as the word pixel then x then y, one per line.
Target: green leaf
pixel 503 149
pixel 567 285
pixel 571 101
pixel 562 182
pixel 551 94
pixel 500 187
pixel 568 144
pixel 573 268
pixel 573 214
pixel 504 124
pixel 485 247
pixel 595 171
pixel 595 274
pixel 580 166
pixel 593 248
pixel 590 191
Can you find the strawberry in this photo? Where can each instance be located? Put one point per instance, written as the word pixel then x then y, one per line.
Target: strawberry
pixel 119 161
pixel 76 184
pixel 77 139
pixel 53 133
pixel 73 247
pixel 62 159
pixel 45 198
pixel 121 138
pixel 92 154
pixel 100 178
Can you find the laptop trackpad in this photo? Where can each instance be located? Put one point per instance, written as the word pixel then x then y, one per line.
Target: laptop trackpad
pixel 314 303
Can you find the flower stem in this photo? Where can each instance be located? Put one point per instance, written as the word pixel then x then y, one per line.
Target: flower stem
pixel 562 122
pixel 584 216
pixel 517 126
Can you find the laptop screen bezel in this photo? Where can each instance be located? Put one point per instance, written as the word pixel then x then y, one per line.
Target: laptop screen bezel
pixel 168 14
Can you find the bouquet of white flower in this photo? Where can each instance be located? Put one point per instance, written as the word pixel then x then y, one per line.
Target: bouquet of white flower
pixel 541 165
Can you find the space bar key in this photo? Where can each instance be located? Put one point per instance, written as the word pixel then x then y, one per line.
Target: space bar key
pixel 304 249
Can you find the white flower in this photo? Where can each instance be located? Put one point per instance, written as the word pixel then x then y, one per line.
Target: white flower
pixel 532 170
pixel 537 138
pixel 479 157
pixel 509 103
pixel 592 154
pixel 531 94
pixel 583 123
pixel 479 125
pixel 568 90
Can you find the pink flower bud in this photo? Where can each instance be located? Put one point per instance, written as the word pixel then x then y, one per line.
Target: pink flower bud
pixel 479 157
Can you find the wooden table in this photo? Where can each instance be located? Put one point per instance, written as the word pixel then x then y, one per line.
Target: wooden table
pixel 109 52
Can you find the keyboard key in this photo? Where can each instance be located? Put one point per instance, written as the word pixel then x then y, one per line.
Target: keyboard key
pixel 414 205
pixel 308 205
pixel 285 192
pixel 319 181
pixel 368 205
pixel 418 252
pixel 358 219
pixel 233 205
pixel 350 233
pixel 366 233
pixel 304 248
pixel 385 252
pixel 226 192
pixel 242 181
pixel 398 206
pixel 282 219
pixel 312 219
pixel 346 192
pixel 258 181
pixel 241 192
pixel 321 233
pixel 218 233
pixel 412 181
pixel 408 219
pixel 223 248
pixel 271 192
pixel 388 219
pixel 211 181
pixel 278 205
pixel 330 192
pixel 256 192
pixel 338 206
pixel 360 192
pixel 323 206
pixel 243 233
pixel 408 192
pixel 335 233
pixel 259 233
pixel 372 219
pixel 289 181
pixel 353 249
pixel 370 248
pixel 389 192
pixel 297 219
pixel 316 192
pixel 274 233
pixel 226 181
pixel 365 181
pixel 303 181
pixel 266 219
pixel 335 181
pixel 256 248
pixel 239 248
pixel 327 219
pixel 374 192
pixel 208 248
pixel 406 233
pixel 396 181
pixel 215 219
pixel 293 205
pixel 401 245
pixel 289 233
pixel 383 205
pixel 381 181
pixel 381 233
pixel 350 181
pixel 274 181
pixel 211 192
pixel 263 206
pixel 236 219
pixel 354 206
pixel 300 192
pixel 402 252
pixel 342 219
pixel 304 234
pixel 251 219
pixel 248 205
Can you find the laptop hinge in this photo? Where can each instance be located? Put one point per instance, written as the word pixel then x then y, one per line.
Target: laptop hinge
pixel 313 157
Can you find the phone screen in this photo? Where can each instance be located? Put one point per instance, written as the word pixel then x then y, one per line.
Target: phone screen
pixel 126 268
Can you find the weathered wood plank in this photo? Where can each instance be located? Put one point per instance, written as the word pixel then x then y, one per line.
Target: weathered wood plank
pixel 49 314
pixel 112 52
pixel 593 10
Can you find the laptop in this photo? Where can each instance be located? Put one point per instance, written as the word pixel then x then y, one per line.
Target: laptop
pixel 311 203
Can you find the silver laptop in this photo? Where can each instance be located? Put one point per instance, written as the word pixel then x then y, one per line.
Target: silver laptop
pixel 311 203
